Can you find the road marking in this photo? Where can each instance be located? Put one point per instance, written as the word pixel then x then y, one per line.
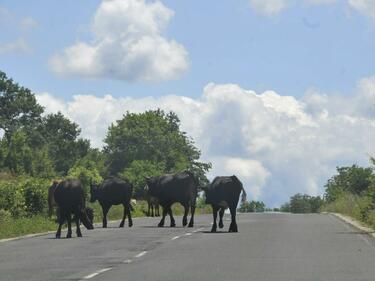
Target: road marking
pixel 188 234
pixel 176 237
pixel 141 254
pixel 127 261
pixel 97 273
pixel 199 229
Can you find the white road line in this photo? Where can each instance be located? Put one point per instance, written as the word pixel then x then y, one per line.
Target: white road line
pixel 199 229
pixel 188 234
pixel 176 237
pixel 127 261
pixel 97 273
pixel 141 254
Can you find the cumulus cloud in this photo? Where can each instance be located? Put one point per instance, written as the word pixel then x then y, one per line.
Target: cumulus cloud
pixel 366 7
pixel 277 145
pixel 129 44
pixel 269 7
pixel 272 8
pixel 20 27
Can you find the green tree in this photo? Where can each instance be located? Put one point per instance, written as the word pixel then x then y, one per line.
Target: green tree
pixel 138 171
pixel 18 107
pixel 62 139
pixel 152 136
pixel 303 203
pixel 252 207
pixel 351 179
pixel 87 172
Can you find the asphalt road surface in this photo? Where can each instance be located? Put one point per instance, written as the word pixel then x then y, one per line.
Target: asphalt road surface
pixel 280 247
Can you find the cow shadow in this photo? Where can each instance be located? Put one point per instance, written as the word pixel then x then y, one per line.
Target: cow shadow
pixel 217 232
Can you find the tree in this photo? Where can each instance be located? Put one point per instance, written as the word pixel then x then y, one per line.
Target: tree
pixel 352 179
pixel 252 207
pixel 18 107
pixel 137 173
pixel 152 136
pixel 61 137
pixel 86 172
pixel 302 203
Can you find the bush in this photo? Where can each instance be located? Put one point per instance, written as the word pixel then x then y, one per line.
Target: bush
pixel 35 194
pixel 5 216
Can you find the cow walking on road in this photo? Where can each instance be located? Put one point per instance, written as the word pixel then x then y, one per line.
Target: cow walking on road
pixel 113 191
pixel 222 193
pixel 170 188
pixel 69 196
pixel 153 207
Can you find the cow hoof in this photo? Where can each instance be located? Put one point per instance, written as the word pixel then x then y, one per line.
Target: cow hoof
pixel 213 230
pixel 79 235
pixel 161 225
pixel 58 236
pixel 130 224
pixel 121 225
pixel 69 236
pixel 221 225
pixel 173 225
pixel 184 223
pixel 191 224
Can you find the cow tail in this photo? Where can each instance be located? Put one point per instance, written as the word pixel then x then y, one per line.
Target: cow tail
pixel 244 195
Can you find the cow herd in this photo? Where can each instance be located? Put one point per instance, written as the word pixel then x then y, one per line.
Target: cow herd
pixel 165 190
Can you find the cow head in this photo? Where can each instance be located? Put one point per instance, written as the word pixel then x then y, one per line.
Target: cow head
pixel 94 192
pixel 151 186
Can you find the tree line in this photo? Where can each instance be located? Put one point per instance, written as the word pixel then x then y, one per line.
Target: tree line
pixel 38 147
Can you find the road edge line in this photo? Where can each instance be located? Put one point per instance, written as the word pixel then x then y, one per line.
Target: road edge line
pixel 354 223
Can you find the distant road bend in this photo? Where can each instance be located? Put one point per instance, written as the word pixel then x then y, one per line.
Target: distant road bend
pixel 268 247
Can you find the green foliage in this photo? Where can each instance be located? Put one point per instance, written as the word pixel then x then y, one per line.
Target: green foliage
pixel 352 179
pixel 86 171
pixel 302 203
pixel 35 193
pixel 18 107
pixel 137 173
pixel 285 208
pixel 252 207
pixel 61 137
pixel 152 136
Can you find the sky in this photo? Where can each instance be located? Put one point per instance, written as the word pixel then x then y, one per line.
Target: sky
pixel 278 92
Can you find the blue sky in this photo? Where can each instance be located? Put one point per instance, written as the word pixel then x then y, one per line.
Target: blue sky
pixel 325 46
pixel 278 92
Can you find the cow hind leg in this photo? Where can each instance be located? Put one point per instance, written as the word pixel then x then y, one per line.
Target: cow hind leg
pixel 165 211
pixel 233 224
pixel 130 221
pixel 69 221
pixel 186 211
pixel 214 213
pixel 76 217
pixel 191 223
pixel 221 214
pixel 105 210
pixel 173 222
pixel 124 216
pixel 61 222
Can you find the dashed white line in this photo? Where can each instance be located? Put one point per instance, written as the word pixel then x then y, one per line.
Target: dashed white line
pixel 97 273
pixel 174 238
pixel 140 254
pixel 188 234
pixel 127 261
pixel 199 229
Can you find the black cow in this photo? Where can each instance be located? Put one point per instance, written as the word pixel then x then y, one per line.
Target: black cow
pixel 69 196
pixel 222 193
pixel 113 191
pixel 153 205
pixel 170 188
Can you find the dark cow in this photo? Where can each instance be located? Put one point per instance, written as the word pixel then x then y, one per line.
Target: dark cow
pixel 153 204
pixel 222 193
pixel 69 196
pixel 113 191
pixel 168 189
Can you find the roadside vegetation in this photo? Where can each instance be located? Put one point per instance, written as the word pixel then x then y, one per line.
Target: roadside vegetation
pixel 37 148
pixel 351 192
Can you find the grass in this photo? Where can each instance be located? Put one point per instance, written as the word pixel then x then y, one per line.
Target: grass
pixel 14 227
pixel 357 207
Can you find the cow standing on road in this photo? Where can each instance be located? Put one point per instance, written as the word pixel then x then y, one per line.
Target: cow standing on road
pixel 153 205
pixel 170 188
pixel 113 191
pixel 222 193
pixel 69 196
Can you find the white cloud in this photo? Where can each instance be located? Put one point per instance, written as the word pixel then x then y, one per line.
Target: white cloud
pixel 366 7
pixel 277 145
pixel 128 45
pixel 269 7
pixel 273 8
pixel 17 46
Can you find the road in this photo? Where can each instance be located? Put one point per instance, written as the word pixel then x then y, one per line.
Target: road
pixel 268 247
